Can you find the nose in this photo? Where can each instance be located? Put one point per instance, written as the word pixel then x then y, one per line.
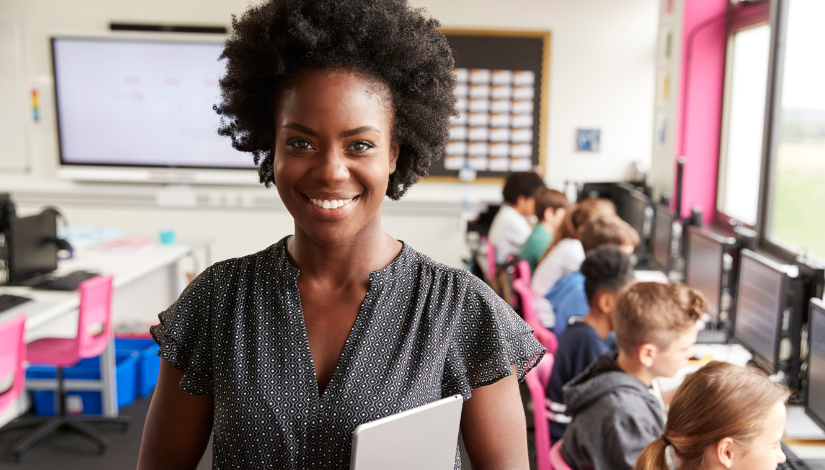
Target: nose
pixel 331 168
pixel 782 457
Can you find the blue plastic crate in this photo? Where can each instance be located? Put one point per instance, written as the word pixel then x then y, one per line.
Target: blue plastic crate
pixel 45 403
pixel 148 365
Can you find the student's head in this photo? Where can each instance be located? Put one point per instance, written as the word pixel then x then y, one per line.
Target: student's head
pixel 518 191
pixel 722 417
pixel 577 217
pixel 606 271
pixel 656 325
pixel 551 206
pixel 609 229
pixel 339 102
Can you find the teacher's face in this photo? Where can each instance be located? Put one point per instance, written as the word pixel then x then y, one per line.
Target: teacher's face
pixel 334 153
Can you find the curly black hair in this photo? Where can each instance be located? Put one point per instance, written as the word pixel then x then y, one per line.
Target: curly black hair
pixel 605 267
pixel 275 43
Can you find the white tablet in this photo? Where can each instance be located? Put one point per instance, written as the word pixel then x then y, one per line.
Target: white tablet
pixel 423 437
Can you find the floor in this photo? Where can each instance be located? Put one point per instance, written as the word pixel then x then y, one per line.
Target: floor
pixel 68 451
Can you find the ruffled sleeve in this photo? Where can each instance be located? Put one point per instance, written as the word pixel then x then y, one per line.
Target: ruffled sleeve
pixel 185 334
pixel 489 339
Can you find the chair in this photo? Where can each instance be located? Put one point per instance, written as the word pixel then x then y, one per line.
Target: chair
pixel 490 251
pixel 523 271
pixel 541 426
pixel 94 331
pixel 556 459
pixel 12 355
pixel 546 337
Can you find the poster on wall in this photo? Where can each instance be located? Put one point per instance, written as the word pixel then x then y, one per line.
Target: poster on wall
pixel 502 79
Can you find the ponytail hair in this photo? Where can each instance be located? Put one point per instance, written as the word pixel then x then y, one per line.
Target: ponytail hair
pixel 654 456
pixel 719 400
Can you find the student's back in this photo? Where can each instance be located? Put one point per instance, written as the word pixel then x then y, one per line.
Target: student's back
pixel 510 228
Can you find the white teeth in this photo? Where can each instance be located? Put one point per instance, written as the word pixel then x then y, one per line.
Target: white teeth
pixel 331 203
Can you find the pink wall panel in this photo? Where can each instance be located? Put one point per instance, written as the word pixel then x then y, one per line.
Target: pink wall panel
pixel 702 91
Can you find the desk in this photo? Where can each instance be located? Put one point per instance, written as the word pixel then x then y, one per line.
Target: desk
pixel 144 285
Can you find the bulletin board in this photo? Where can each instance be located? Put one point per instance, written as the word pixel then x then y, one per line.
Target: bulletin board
pixel 502 92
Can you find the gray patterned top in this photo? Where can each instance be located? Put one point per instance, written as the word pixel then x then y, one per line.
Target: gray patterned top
pixel 424 331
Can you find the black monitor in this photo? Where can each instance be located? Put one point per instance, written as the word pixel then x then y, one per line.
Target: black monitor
pixel 631 206
pixel 705 265
pixel 815 392
pixel 32 247
pixel 762 295
pixel 662 239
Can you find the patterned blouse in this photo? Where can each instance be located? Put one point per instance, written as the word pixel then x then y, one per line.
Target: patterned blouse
pixel 425 331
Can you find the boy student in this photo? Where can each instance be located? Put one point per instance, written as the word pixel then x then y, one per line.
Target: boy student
pixel 551 206
pixel 612 404
pixel 568 296
pixel 606 270
pixel 510 227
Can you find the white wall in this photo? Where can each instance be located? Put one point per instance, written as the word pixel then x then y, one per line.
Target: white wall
pixel 602 75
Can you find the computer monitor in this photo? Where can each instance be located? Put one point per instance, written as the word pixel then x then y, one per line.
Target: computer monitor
pixel 815 392
pixel 32 247
pixel 761 298
pixel 704 258
pixel 662 239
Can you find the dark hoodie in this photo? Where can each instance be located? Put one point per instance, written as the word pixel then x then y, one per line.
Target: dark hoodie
pixel 614 417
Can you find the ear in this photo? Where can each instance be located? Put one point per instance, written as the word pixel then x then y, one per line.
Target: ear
pixel 647 354
pixel 606 301
pixel 549 213
pixel 724 452
pixel 396 148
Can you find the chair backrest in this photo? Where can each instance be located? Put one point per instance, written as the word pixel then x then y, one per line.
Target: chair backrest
pixel 94 327
pixel 491 259
pixel 556 459
pixel 523 271
pixel 12 355
pixel 546 337
pixel 540 424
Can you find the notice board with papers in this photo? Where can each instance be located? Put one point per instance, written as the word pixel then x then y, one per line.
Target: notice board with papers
pixel 502 95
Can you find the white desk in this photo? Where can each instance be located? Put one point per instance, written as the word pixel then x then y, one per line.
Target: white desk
pixel 144 285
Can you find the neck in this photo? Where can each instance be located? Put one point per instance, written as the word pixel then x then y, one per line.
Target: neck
pixel 598 322
pixel 548 226
pixel 517 209
pixel 634 368
pixel 368 250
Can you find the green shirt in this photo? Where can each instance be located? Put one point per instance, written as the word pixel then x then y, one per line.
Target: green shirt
pixel 535 246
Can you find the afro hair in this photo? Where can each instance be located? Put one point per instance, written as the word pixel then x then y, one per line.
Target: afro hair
pixel 275 43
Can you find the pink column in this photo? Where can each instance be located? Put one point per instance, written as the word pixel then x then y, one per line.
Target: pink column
pixel 698 137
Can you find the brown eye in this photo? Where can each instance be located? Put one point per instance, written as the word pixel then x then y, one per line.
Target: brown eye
pixel 361 146
pixel 298 144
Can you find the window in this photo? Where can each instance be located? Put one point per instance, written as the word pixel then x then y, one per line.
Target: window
pixel 741 156
pixel 797 219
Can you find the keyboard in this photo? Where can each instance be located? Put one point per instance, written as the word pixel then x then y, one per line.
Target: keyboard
pixel 68 282
pixel 8 301
pixel 792 462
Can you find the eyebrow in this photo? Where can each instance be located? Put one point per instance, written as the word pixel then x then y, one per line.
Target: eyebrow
pixel 312 132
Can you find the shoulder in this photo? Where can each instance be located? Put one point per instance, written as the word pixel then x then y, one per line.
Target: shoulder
pixel 426 270
pixel 266 259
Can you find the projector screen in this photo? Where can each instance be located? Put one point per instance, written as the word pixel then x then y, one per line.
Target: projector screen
pixel 124 102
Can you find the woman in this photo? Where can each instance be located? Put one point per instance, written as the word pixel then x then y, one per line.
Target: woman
pixel 281 354
pixel 723 417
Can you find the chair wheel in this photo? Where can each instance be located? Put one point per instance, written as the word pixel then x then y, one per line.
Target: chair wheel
pixel 101 450
pixel 18 457
pixel 124 427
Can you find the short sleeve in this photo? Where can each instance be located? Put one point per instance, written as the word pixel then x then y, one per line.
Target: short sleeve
pixel 489 339
pixel 184 334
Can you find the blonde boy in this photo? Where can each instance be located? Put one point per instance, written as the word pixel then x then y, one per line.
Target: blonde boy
pixel 614 411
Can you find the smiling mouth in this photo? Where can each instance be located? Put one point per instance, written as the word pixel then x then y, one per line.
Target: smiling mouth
pixel 331 204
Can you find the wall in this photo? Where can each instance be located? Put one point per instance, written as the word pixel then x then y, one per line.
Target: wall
pixel 602 76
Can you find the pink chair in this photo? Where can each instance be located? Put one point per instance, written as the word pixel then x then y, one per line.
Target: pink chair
pixel 523 271
pixel 556 459
pixel 94 330
pixel 491 259
pixel 546 337
pixel 12 355
pixel 540 424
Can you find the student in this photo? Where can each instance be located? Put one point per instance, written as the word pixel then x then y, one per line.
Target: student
pixel 279 355
pixel 551 206
pixel 510 227
pixel 565 254
pixel 722 417
pixel 613 404
pixel 568 296
pixel 606 270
